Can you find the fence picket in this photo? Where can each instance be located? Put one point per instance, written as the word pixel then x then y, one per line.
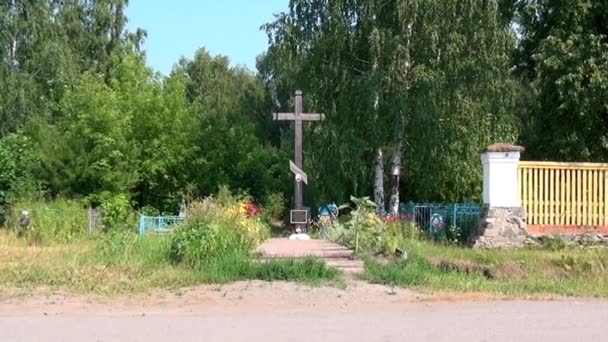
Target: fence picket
pixel 564 194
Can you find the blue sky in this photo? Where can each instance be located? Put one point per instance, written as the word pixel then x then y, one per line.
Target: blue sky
pixel 179 27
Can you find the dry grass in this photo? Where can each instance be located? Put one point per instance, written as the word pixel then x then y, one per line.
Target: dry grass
pixel 110 265
pixel 81 267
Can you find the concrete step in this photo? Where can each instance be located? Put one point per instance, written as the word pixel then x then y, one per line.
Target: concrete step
pixel 333 254
pixel 346 266
pixel 326 254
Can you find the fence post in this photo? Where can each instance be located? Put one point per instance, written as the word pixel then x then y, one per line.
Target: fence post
pixel 142 225
pixel 502 219
pixel 454 218
pixel 89 229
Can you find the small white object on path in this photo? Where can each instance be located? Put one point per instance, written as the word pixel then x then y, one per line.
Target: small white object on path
pixel 299 236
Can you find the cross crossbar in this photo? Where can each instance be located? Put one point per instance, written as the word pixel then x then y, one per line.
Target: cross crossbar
pixel 300 117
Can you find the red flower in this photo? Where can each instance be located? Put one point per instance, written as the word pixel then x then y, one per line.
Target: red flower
pixel 251 210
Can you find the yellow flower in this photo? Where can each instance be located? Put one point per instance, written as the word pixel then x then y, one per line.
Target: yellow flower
pixel 371 218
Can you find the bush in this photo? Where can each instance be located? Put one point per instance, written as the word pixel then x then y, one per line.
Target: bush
pixel 274 207
pixel 17 160
pixel 223 255
pixel 117 212
pixel 231 213
pixel 199 243
pixel 217 240
pixel 368 233
pixel 219 235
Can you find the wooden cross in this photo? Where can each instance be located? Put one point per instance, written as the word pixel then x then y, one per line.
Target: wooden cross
pixel 298 117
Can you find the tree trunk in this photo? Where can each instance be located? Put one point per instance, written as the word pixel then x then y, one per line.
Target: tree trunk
pixel 395 174
pixel 12 10
pixel 379 181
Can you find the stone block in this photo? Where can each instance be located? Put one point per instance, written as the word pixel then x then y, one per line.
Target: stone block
pixel 500 228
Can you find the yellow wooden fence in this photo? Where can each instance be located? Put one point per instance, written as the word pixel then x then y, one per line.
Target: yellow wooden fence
pixel 564 194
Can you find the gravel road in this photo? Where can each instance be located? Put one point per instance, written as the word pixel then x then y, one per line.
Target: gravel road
pixel 256 311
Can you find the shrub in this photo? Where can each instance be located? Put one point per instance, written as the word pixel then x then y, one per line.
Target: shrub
pixel 274 207
pixel 233 214
pixel 117 212
pixel 369 233
pixel 200 243
pixel 17 160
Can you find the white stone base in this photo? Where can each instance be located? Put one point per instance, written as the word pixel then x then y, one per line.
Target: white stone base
pixel 299 236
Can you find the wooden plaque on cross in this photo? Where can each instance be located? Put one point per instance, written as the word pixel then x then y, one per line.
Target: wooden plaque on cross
pixel 298 117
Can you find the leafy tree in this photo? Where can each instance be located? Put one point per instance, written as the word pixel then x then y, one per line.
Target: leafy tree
pixel 160 131
pixel 398 76
pixel 87 151
pixel 562 55
pixel 46 45
pixel 227 103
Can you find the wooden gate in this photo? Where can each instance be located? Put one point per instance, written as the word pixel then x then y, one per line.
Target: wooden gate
pixel 564 197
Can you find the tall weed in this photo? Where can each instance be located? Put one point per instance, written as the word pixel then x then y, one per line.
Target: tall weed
pixel 57 221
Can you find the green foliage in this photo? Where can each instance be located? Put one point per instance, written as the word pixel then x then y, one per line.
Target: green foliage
pixel 223 254
pixel 562 56
pixel 46 45
pixel 274 207
pixel 17 162
pixel 200 244
pixel 57 221
pixel 227 103
pixel 117 212
pixel 369 234
pixel 230 211
pixel 405 69
pixel 87 152
pixel 456 235
pixel 8 176
pixel 126 248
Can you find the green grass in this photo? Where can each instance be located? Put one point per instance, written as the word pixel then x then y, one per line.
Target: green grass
pixel 125 263
pixel 50 221
pixel 571 271
pixel 308 270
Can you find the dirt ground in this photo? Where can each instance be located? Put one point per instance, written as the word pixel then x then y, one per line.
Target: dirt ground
pixel 256 311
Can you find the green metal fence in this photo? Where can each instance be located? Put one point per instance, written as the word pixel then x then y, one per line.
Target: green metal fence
pixel 437 219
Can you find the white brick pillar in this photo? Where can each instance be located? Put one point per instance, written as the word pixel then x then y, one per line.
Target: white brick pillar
pixel 500 163
pixel 502 221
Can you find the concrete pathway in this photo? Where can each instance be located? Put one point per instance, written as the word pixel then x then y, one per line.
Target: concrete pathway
pixel 333 254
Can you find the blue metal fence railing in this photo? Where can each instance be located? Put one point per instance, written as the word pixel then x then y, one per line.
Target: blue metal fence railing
pixel 436 218
pixel 158 224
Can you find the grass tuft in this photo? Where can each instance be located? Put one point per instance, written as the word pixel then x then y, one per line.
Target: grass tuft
pixel 308 270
